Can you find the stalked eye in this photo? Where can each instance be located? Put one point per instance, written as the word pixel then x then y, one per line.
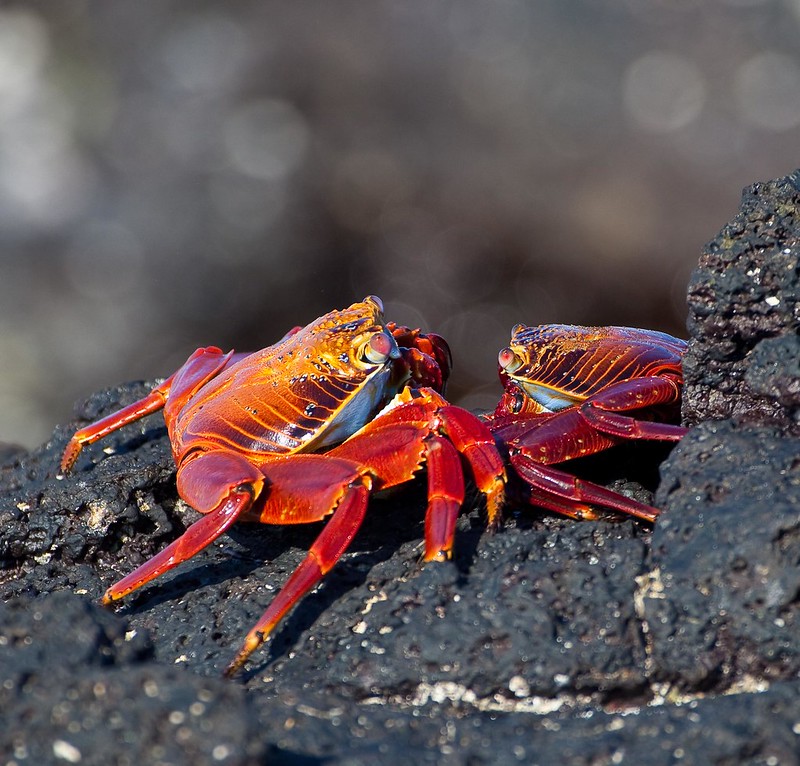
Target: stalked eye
pixel 508 360
pixel 376 300
pixel 379 348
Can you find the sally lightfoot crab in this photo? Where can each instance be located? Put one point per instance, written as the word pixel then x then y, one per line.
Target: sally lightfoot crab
pixel 309 428
pixel 571 391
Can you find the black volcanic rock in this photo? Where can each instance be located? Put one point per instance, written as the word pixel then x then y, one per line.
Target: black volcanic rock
pixel 744 314
pixel 726 559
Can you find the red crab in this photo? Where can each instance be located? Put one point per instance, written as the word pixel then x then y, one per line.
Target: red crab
pixel 255 436
pixel 574 391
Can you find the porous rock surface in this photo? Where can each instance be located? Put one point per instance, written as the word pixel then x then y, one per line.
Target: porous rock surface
pixel 549 641
pixel 744 311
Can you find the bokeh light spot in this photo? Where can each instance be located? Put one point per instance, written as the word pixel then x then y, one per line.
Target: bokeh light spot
pixel 206 53
pixel 266 139
pixel 663 91
pixel 24 47
pixel 767 89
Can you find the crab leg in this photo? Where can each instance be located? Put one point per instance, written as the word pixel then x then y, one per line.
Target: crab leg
pixel 199 535
pixel 603 410
pixel 573 492
pixel 445 495
pixel 200 367
pixel 151 403
pixel 475 442
pixel 323 554
pixel 423 427
pixel 221 485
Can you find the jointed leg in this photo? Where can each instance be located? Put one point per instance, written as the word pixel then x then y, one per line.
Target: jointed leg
pixel 606 411
pixel 475 442
pixel 445 496
pixel 199 535
pixel 323 554
pixel 200 367
pixel 151 403
pixel 573 492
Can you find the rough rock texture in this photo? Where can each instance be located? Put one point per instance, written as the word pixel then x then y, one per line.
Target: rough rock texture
pixel 728 564
pixel 547 642
pixel 744 304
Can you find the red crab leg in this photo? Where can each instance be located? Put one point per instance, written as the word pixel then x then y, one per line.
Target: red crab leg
pixel 475 442
pixel 221 485
pixel 202 365
pixel 569 508
pixel 153 402
pixel 323 554
pixel 573 492
pixel 603 410
pixel 394 445
pixel 200 534
pixel 445 496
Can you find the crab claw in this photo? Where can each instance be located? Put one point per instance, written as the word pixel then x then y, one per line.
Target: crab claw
pixel 427 356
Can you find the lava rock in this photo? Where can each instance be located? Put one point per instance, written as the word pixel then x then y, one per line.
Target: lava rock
pixel 744 314
pixel 722 598
pixel 78 687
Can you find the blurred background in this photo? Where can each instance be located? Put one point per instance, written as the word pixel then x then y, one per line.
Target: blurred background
pixel 178 174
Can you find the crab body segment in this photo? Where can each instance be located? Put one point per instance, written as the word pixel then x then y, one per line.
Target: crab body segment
pixel 309 428
pixel 571 391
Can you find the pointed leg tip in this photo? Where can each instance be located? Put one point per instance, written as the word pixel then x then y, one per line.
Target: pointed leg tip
pixel 251 643
pixel 494 509
pixel 443 554
pixel 69 457
pixel 495 524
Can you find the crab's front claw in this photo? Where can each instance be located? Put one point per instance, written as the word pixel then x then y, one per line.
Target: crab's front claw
pixel 427 356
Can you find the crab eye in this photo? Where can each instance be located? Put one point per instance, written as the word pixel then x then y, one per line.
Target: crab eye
pixel 379 348
pixel 508 360
pixel 376 300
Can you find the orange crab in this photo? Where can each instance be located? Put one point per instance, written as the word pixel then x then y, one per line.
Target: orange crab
pixel 309 428
pixel 571 391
